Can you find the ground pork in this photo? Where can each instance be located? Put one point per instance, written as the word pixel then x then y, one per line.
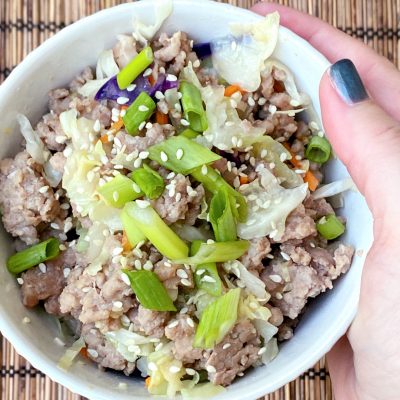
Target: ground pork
pixel 47 284
pixel 92 109
pixel 125 50
pixel 59 100
pixel 23 202
pixel 80 80
pixel 257 251
pixel 181 333
pixel 179 202
pixel 173 275
pixel 237 352
pixel 298 225
pixel 156 134
pixel 103 352
pixel 57 162
pixel 281 101
pixel 148 322
pixel 50 131
pixel 317 208
pixel 100 298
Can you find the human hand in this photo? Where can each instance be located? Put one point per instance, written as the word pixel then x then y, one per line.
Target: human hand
pixel 364 131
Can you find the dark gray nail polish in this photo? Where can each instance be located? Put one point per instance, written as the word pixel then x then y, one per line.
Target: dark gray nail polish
pixel 347 82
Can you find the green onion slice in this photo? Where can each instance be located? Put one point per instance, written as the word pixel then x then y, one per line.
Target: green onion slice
pixel 189 133
pixel 221 215
pixel 181 155
pixel 150 292
pixel 206 276
pixel 318 150
pixel 151 183
pixel 217 320
pixel 119 191
pixel 129 73
pixel 216 252
pixel 34 255
pixel 138 112
pixel 133 233
pixel 192 105
pixel 330 227
pixel 156 230
pixel 213 181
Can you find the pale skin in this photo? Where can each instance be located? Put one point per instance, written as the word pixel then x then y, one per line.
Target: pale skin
pixel 364 364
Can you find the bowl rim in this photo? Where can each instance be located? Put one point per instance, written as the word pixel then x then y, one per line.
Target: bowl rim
pixel 36 357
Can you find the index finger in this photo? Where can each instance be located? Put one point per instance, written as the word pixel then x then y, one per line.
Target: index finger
pixel 380 76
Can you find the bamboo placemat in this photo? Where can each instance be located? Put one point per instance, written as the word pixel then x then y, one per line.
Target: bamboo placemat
pixel 24 24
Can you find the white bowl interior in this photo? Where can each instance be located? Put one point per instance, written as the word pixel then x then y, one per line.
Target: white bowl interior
pixel 53 65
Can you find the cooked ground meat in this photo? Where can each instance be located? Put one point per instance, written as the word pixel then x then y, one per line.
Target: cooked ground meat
pixel 182 334
pixel 57 161
pixel 59 100
pixel 23 201
pixel 103 352
pixel 237 352
pixel 167 272
pixel 257 251
pixel 92 109
pixel 125 50
pixel 80 80
pixel 148 322
pixel 47 284
pixel 50 131
pixel 179 201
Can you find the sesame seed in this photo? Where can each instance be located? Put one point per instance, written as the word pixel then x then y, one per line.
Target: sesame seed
pixel 300 171
pixel 240 374
pixel 283 157
pixel 179 154
pixel 294 103
pixel 20 281
pixel 210 241
pixel 240 143
pixel 312 245
pixel 181 273
pixel 66 272
pixel 226 346
pixel 321 134
pixel 26 320
pixel 270 256
pixel 148 265
pixel 204 169
pixel 43 268
pixel 137 163
pixel 279 296
pixel 184 310
pixel 143 203
pixel 114 118
pixel 115 196
pixel 143 108
pixel 142 125
pixel 159 346
pixel 313 125
pixel 200 271
pixel 117 305
pixel 54 225
pixel 171 175
pixel 60 139
pixel 43 189
pixel 251 102
pixel 159 95
pixel 236 182
pixel 173 324
pixel 148 72
pixel 233 103
pixel 143 155
pixel 196 64
pixel 211 369
pixel 174 369
pixel 58 341
pixel 190 371
pixel 167 264
pixel 171 78
pixel 272 109
pixel 185 282
pixel 152 366
pixel 149 125
pixel 131 88
pixel 190 322
pixel 262 101
pixel 209 279
pixel 285 256
pixel 184 122
pixel 125 279
pixel 291 113
pixel 234 140
pixel 178 197
pixel 138 264
pixel 275 278
pixel 164 157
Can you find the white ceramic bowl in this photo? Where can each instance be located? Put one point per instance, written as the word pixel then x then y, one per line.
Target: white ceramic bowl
pixel 53 65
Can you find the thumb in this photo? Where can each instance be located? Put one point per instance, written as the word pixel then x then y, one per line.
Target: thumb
pixel 364 137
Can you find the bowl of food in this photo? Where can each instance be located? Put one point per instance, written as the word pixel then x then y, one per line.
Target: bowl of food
pixel 165 213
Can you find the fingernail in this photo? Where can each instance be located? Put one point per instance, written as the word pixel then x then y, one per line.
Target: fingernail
pixel 347 82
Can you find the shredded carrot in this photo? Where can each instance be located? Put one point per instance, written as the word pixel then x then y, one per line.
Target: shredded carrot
pixel 230 90
pixel 312 181
pixel 117 126
pixel 309 177
pixel 125 243
pixel 243 180
pixel 83 352
pixel 151 80
pixel 147 381
pixel 161 118
pixel 104 139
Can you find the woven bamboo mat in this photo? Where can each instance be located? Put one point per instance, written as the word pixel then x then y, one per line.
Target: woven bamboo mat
pixel 24 24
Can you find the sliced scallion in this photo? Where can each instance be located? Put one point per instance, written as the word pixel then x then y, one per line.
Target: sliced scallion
pixel 119 191
pixel 157 231
pixel 216 252
pixel 189 133
pixel 149 181
pixel 217 320
pixel 129 73
pixel 181 155
pixel 133 233
pixel 32 256
pixel 138 112
pixel 212 181
pixel 330 227
pixel 222 217
pixel 318 150
pixel 206 276
pixel 150 292
pixel 192 105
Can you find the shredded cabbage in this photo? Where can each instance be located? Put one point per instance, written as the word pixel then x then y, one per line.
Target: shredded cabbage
pixel 274 205
pixel 190 233
pixel 289 82
pixel 129 344
pixel 67 359
pixel 90 88
pixel 251 308
pixel 334 188
pixel 271 352
pixel 252 283
pixel 143 32
pixel 52 176
pixel 240 60
pixel 106 65
pixel 34 145
pixel 265 329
